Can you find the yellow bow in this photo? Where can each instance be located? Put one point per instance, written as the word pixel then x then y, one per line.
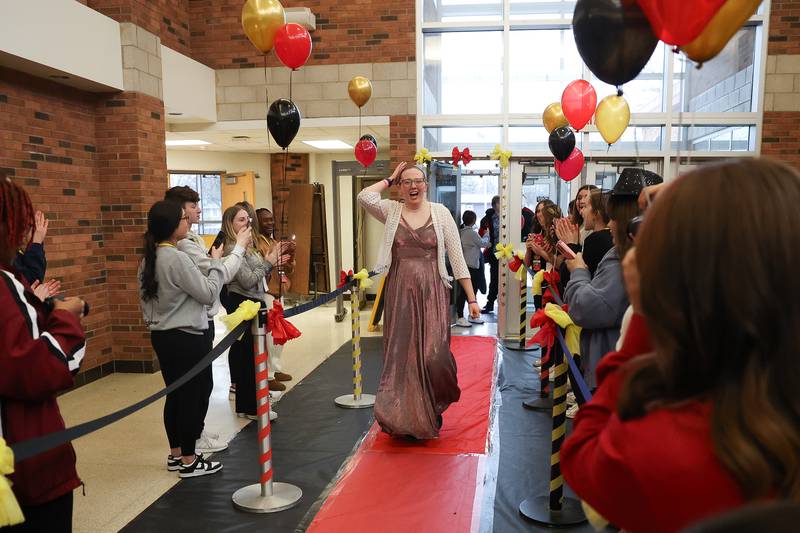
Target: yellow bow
pixel 501 155
pixel 423 156
pixel 595 519
pixel 247 310
pixel 363 279
pixel 573 331
pixel 521 271
pixel 10 513
pixel 538 279
pixel 504 252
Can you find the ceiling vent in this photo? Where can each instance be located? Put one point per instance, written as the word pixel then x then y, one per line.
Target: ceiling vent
pixel 302 16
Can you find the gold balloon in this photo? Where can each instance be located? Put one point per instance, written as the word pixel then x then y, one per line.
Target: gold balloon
pixel 724 24
pixel 554 117
pixel 260 20
pixel 360 90
pixel 612 118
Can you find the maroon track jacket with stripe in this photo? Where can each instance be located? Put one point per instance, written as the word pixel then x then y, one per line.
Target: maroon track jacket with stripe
pixel 39 351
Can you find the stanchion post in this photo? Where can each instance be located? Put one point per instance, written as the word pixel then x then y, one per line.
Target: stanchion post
pixel 543 402
pixel 357 400
pixel 554 510
pixel 520 345
pixel 267 496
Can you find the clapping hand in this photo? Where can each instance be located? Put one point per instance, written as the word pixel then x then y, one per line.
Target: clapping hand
pixel 40 230
pixel 47 289
pixel 567 232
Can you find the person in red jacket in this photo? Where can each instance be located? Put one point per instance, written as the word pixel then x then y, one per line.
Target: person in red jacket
pixel 40 348
pixel 698 413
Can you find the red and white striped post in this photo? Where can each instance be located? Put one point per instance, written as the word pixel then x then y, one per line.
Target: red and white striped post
pixel 267 496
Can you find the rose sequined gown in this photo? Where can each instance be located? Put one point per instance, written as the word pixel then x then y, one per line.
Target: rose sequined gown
pixel 419 372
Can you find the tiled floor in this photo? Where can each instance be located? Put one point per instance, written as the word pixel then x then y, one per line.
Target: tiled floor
pixel 123 464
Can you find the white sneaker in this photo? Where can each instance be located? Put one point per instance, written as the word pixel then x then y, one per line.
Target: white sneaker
pixel 200 467
pixel 571 400
pixel 463 323
pixel 537 363
pixel 209 443
pixel 272 416
pixel 275 395
pixel 572 411
pixel 476 321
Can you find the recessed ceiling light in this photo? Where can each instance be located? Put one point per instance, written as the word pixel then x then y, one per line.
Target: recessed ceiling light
pixel 175 114
pixel 329 145
pixel 58 77
pixel 240 138
pixel 186 142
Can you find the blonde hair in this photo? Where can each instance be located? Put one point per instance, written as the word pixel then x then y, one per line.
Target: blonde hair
pixel 227 226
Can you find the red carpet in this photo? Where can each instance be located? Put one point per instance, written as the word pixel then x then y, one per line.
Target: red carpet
pixel 392 485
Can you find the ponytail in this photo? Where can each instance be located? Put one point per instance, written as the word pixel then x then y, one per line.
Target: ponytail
pixel 148 278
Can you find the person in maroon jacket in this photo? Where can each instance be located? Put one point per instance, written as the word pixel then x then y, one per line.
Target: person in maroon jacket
pixel 698 413
pixel 41 346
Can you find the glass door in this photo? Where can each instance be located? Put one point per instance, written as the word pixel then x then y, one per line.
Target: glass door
pixel 540 182
pixel 444 187
pixel 604 172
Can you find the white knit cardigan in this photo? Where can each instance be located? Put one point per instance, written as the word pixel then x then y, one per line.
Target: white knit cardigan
pixel 447 236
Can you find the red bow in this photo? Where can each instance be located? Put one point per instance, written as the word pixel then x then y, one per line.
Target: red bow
pixel 546 336
pixel 515 264
pixel 552 278
pixel 461 156
pixel 344 278
pixel 281 329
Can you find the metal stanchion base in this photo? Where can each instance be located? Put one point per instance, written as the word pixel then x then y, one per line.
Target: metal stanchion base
pixel 348 401
pixel 284 496
pixel 538 510
pixel 513 344
pixel 539 404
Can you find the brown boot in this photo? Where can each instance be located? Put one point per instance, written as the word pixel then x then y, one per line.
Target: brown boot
pixel 274 384
pixel 281 376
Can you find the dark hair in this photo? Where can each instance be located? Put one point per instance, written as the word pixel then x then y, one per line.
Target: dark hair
pixel 528 217
pixel 621 209
pixel 572 211
pixel 182 194
pixel 469 218
pixel 495 198
pixel 16 216
pixel 162 220
pixel 724 328
pixel 263 210
pixel 598 202
pixel 578 216
pixel 551 212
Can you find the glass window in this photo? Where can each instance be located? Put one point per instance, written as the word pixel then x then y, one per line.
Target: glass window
pixel 644 94
pixel 443 139
pixel 714 138
pixel 540 182
pixel 723 84
pixel 533 139
pixel 641 138
pixel 477 188
pixel 542 63
pixel 209 187
pixel 541 9
pixel 463 73
pixel 462 10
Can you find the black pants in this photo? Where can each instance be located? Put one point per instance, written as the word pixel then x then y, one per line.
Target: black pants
pixel 241 359
pixel 461 299
pixel 208 378
pixel 184 410
pixel 54 516
pixel 494 275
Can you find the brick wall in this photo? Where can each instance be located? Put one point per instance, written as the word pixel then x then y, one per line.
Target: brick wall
pixel 347 32
pixel 48 145
pixel 402 138
pixel 781 138
pixel 784 27
pixel 168 19
pixel 297 172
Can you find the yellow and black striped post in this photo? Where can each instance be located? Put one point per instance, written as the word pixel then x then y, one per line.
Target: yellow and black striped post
pixel 523 311
pixel 554 509
pixel 356 400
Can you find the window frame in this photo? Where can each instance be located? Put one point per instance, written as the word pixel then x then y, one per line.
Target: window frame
pixel 198 174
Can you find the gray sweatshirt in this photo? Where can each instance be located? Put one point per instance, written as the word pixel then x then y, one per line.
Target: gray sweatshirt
pixel 471 244
pixel 597 305
pixel 194 247
pixel 184 292
pixel 251 279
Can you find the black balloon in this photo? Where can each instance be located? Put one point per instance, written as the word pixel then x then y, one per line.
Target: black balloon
pixel 370 138
pixel 614 38
pixel 562 142
pixel 283 121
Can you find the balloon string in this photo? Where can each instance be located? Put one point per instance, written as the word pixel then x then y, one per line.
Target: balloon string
pixel 290 84
pixel 266 99
pixel 359 123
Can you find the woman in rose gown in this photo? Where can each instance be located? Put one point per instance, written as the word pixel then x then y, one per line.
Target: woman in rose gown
pixel 419 372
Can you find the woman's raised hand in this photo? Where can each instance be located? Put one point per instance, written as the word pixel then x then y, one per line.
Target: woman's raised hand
pixel 567 232
pixel 244 237
pixel 397 171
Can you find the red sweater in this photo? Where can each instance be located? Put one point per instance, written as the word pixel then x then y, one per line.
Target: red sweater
pixel 658 473
pixel 39 350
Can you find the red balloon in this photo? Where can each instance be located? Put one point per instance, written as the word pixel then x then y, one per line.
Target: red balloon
pixel 293 45
pixel 578 102
pixel 366 152
pixel 679 22
pixel 571 167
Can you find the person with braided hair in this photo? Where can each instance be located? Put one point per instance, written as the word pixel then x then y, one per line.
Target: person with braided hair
pixel 41 346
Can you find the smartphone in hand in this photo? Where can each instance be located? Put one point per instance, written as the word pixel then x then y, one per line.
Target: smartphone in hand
pixel 220 238
pixel 565 250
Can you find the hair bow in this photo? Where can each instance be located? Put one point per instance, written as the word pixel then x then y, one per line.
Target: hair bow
pixel 363 279
pixel 247 310
pixel 281 329
pixel 10 513
pixel 423 156
pixel 344 278
pixel 501 155
pixel 504 251
pixel 461 156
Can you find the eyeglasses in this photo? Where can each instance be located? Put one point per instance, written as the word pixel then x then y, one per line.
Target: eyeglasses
pixel 418 182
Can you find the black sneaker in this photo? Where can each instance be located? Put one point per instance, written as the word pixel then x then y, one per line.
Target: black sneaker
pixel 200 467
pixel 173 463
pixel 487 310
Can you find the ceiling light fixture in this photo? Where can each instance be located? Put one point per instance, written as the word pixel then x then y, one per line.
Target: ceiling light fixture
pixel 186 142
pixel 329 145
pixel 174 114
